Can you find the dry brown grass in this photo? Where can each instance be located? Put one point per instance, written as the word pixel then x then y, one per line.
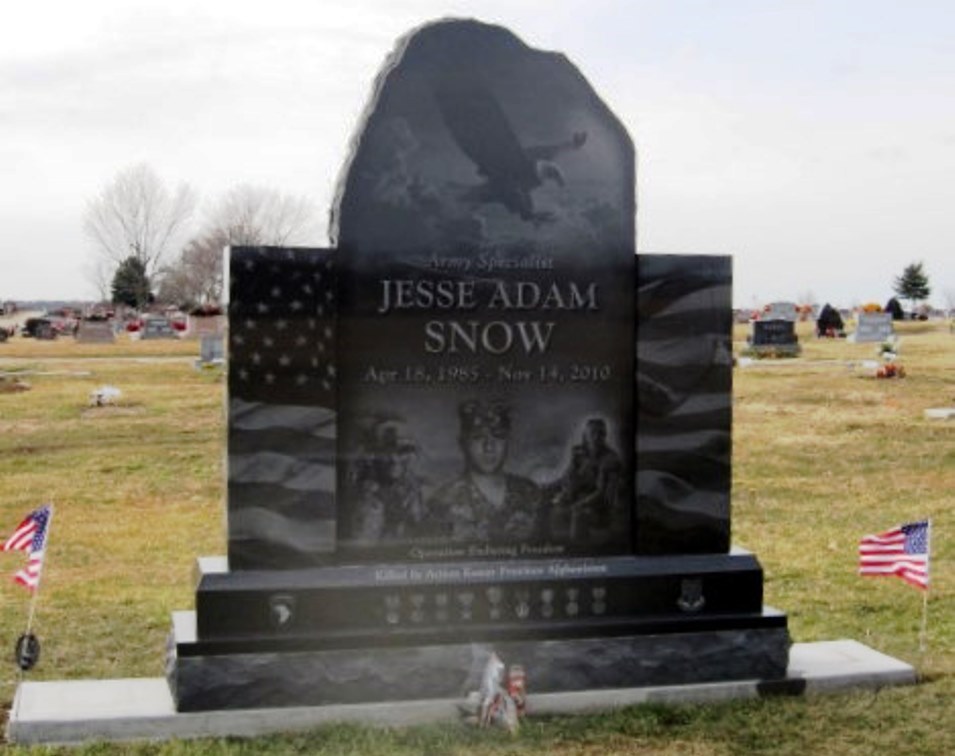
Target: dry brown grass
pixel 823 453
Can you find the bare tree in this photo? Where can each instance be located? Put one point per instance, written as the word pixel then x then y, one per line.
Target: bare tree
pixel 254 215
pixel 245 215
pixel 99 271
pixel 949 295
pixel 135 215
pixel 196 277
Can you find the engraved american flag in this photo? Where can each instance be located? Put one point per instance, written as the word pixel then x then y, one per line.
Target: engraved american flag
pixel 282 423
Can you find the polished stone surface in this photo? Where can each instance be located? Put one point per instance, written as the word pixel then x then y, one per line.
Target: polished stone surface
pixel 76 711
pixel 355 606
pixel 774 333
pixel 400 672
pixel 684 404
pixel 281 416
pixel 431 427
pixel 485 229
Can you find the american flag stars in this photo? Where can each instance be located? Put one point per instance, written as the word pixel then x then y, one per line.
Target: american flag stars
pixel 283 350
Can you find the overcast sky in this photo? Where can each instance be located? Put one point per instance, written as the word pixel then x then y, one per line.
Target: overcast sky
pixel 814 140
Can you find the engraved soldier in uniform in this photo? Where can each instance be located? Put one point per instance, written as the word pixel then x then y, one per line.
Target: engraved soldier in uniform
pixel 589 491
pixel 486 503
pixel 389 492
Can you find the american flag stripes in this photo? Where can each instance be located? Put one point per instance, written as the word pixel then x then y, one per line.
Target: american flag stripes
pixel 901 551
pixel 30 536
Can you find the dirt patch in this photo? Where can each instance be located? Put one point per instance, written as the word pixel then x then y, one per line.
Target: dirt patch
pixel 13 386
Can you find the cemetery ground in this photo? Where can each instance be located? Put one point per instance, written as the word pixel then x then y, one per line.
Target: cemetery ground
pixel 823 453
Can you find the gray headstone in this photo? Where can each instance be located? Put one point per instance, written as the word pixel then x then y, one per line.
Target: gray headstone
pixel 873 327
pixel 206 325
pixel 780 311
pixel 212 348
pixel 95 332
pixel 158 328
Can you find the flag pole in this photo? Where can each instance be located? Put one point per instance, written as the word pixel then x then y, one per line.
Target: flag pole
pixel 36 590
pixel 33 600
pixel 923 630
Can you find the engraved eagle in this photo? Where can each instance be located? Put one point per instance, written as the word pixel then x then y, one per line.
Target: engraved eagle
pixel 511 171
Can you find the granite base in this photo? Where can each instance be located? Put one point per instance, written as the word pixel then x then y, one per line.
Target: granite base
pixel 343 676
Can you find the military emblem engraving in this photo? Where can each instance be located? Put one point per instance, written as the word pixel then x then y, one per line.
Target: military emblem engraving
pixel 281 610
pixel 691 598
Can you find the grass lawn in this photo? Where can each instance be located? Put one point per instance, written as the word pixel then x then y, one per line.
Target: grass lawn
pixel 823 454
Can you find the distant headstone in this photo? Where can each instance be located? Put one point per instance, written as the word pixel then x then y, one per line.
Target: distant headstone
pixel 780 311
pixel 45 331
pixel 774 338
pixel 894 308
pixel 158 328
pixel 205 325
pixel 95 332
pixel 774 332
pixel 829 323
pixel 873 327
pixel 211 349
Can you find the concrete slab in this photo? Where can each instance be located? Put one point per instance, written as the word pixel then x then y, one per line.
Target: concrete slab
pixel 829 666
pixel 75 711
pixel 940 413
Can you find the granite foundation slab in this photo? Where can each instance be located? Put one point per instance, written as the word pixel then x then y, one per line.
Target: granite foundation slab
pixel 78 711
pixel 753 648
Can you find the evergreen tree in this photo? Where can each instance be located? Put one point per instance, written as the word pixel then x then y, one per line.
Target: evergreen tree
pixel 131 284
pixel 912 284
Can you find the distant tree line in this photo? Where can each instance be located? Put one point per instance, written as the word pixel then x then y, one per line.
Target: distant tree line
pixel 148 245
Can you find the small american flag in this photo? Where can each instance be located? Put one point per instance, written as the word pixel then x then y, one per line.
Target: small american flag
pixel 901 551
pixel 30 536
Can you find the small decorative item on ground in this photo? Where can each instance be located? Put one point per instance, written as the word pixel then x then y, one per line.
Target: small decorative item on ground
pixel 890 370
pixel 496 703
pixel 104 395
pixel 517 688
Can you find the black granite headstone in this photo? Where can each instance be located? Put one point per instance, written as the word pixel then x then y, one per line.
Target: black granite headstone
pixel 486 232
pixel 773 338
pixel 829 322
pixel 479 420
pixel 774 333
pixel 684 404
pixel 282 433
